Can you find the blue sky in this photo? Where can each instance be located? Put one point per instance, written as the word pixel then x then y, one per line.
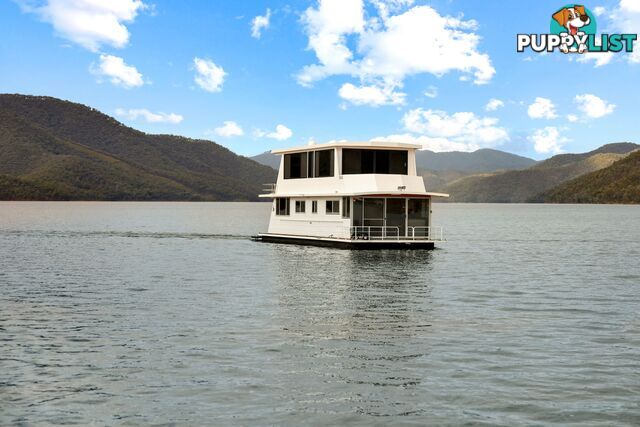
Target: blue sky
pixel 327 70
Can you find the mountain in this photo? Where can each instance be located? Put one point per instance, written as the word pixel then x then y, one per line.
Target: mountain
pixel 52 149
pixel 525 185
pixel 267 159
pixel 483 160
pixel 618 183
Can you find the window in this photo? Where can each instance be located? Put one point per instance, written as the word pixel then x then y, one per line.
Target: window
pixel 346 208
pixel 356 161
pixel 314 164
pixel 314 206
pixel 282 206
pixel 300 205
pixel 323 165
pixel 333 207
pixel 295 165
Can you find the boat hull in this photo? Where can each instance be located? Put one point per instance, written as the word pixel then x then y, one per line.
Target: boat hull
pixel 345 244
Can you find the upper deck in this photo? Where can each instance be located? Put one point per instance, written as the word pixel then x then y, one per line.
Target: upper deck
pixel 349 169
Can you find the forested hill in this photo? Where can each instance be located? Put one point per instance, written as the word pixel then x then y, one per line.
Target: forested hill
pixel 618 183
pixel 52 149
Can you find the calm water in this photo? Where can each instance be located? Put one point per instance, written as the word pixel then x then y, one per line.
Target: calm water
pixel 141 313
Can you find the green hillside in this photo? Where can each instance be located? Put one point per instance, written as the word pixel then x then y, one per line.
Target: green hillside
pixel 618 183
pixel 525 185
pixel 58 150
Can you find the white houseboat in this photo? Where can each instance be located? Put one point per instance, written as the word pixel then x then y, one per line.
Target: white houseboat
pixel 351 195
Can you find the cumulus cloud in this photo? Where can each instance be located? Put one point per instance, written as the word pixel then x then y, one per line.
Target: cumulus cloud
pixel 572 118
pixel 548 140
pixel 281 133
pixel 229 129
pixel 593 107
pixel 209 76
pixel 148 116
pixel 117 72
pixel 440 131
pixel 347 43
pixel 599 10
pixel 542 108
pixel 260 23
pixel 371 95
pixel 494 104
pixel 89 23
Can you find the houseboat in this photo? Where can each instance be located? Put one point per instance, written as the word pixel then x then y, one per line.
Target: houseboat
pixel 352 195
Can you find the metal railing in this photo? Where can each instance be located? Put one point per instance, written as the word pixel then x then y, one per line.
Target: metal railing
pixel 425 233
pixel 365 232
pixel 269 188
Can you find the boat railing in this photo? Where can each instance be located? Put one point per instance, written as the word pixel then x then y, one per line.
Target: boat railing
pixel 365 232
pixel 435 234
pixel 269 188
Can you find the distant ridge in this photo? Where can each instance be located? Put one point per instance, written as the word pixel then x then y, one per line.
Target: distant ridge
pixel 267 159
pixel 527 184
pixel 483 160
pixel 52 149
pixel 618 183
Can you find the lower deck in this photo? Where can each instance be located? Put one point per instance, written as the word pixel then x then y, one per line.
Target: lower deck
pixel 372 220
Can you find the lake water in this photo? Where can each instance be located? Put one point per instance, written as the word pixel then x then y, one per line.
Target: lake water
pixel 166 313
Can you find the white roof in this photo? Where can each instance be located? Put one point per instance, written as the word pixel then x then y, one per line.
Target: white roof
pixel 349 144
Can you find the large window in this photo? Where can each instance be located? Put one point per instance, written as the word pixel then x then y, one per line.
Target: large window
pixel 357 161
pixel 314 164
pixel 333 207
pixel 295 165
pixel 300 206
pixel 282 206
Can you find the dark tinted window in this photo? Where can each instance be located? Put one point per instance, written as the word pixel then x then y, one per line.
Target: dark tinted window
pixel 323 163
pixel 295 165
pixel 355 161
pixel 282 206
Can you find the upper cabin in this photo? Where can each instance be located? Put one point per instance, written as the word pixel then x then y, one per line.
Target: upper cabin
pixel 348 168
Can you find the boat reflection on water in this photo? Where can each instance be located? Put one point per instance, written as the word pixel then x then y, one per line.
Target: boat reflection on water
pixel 361 320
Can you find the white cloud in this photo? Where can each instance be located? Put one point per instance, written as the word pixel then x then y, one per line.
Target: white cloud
pixel 494 104
pixel 229 129
pixel 371 95
pixel 593 107
pixel 630 6
pixel 548 140
pixel 572 118
pixel 440 131
pixel 431 92
pixel 89 23
pixel 623 18
pixel 281 133
pixel 117 71
pixel 260 23
pixel 542 108
pixel 384 49
pixel 148 116
pixel 209 76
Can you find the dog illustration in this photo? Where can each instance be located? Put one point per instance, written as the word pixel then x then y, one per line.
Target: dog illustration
pixel 573 19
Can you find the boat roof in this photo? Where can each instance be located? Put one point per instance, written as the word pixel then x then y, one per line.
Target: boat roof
pixel 349 144
pixel 358 194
